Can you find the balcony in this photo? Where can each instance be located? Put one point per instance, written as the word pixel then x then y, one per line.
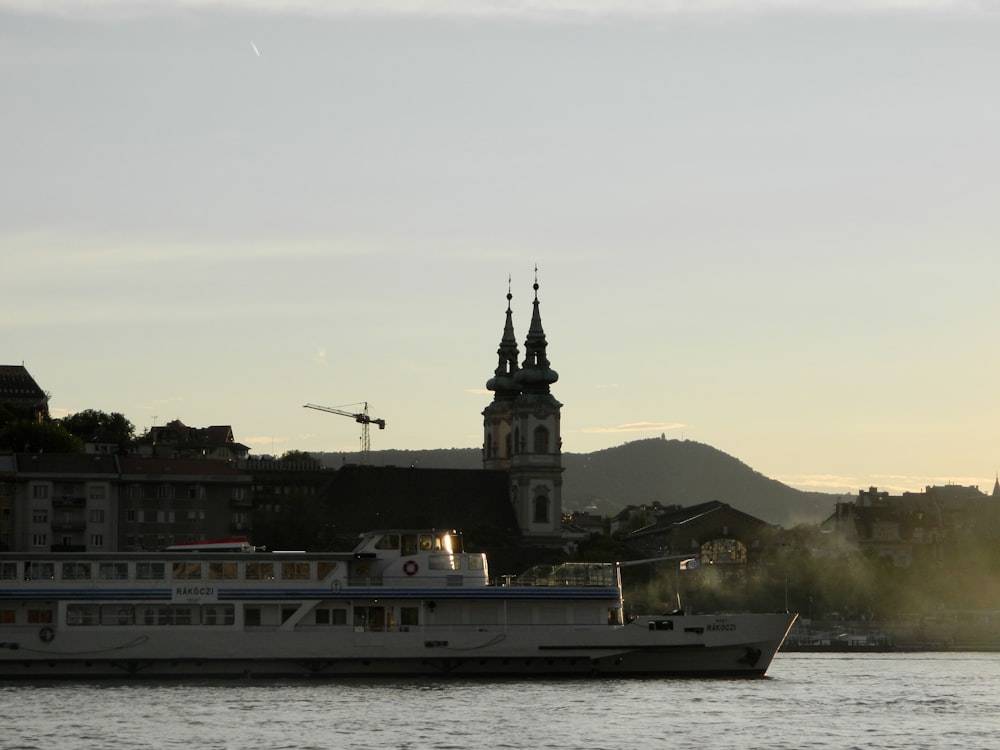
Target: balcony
pixel 63 525
pixel 69 501
pixel 69 548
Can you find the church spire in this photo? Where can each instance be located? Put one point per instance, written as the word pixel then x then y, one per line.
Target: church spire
pixel 502 382
pixel 536 375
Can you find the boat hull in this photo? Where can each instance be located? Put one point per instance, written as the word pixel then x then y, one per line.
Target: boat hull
pixel 668 646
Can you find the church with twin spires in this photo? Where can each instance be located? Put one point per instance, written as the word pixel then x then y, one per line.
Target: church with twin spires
pixel 521 428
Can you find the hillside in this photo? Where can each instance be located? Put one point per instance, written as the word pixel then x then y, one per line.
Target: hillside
pixel 674 472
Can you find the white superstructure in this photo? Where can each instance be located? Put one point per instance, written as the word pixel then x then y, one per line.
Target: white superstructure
pixel 403 602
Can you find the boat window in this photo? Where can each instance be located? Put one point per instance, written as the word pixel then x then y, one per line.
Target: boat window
pixel 251 616
pixel 260 571
pixel 325 568
pixel 369 618
pixel 409 544
pixel 82 614
pixel 117 614
pixel 475 562
pixel 149 571
pixel 409 617
pixel 8 571
pixel 148 614
pixel 222 570
pixel 108 571
pixel 295 571
pixel 388 541
pixel 8 616
pixel 426 542
pixel 444 562
pixel 40 617
pixel 183 615
pixel 331 616
pixel 186 571
pixel 217 614
pixel 76 571
pixel 34 571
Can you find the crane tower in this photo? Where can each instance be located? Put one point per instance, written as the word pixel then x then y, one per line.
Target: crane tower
pixel 361 418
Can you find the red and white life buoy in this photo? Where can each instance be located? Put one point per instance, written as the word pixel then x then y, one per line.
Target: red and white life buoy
pixel 410 567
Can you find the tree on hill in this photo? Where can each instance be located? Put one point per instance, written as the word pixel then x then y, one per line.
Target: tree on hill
pixel 32 437
pixel 99 426
pixel 296 457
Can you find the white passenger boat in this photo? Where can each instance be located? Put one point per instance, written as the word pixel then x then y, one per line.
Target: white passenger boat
pixel 402 603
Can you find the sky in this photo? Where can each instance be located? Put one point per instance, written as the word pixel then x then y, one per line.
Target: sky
pixel 767 226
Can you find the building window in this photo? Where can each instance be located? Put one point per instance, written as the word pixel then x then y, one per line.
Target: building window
pixel 40 492
pixel 541 439
pixel 97 492
pixel 97 540
pixel 39 515
pixel 97 516
pixel 541 509
pixel 39 540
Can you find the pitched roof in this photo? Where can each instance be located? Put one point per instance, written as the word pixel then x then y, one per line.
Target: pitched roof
pixel 675 517
pixel 66 463
pixel 177 467
pixel 18 388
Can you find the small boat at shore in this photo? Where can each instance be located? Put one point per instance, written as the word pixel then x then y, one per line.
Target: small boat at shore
pixel 403 602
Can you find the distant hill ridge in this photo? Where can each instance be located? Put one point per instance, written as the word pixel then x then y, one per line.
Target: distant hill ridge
pixel 673 472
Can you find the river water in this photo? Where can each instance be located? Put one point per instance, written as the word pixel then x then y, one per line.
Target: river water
pixel 925 700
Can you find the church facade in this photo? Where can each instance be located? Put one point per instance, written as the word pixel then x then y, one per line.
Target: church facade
pixel 521 428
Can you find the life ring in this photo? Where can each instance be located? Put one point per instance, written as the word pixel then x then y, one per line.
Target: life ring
pixel 46 634
pixel 410 567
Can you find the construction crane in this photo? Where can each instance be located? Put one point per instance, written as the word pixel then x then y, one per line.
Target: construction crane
pixel 361 418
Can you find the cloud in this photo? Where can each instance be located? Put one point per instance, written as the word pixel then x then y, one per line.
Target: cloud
pixel 820 482
pixel 894 484
pixel 634 427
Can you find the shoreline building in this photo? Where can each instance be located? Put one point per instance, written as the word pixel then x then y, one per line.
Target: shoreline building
pixel 521 429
